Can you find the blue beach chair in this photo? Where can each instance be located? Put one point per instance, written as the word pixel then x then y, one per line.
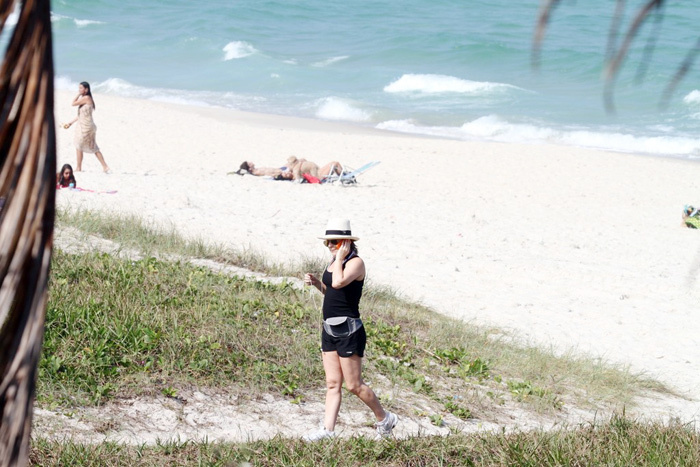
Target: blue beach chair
pixel 348 176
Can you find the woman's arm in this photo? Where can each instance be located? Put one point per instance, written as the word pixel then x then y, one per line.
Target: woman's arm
pixel 81 100
pixel 353 270
pixel 310 279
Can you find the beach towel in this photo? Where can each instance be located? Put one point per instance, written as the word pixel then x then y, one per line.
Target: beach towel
pixel 311 179
pixel 77 188
pixel 693 222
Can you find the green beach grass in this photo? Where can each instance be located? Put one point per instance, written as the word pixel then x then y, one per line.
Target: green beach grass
pixel 617 442
pixel 118 327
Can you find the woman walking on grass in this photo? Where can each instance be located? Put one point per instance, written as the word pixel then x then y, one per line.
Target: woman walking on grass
pixel 86 130
pixel 343 337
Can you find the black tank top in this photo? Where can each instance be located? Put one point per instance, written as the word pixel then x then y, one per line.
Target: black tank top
pixel 341 302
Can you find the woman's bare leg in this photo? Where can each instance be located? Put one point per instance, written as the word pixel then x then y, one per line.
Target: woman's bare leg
pixel 332 168
pixel 105 167
pixel 351 368
pixel 334 384
pixel 79 165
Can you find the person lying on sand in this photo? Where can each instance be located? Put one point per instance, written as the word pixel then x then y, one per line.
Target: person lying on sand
pixel 299 167
pixel 277 174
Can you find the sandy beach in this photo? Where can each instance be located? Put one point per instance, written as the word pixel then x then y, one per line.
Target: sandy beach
pixel 562 246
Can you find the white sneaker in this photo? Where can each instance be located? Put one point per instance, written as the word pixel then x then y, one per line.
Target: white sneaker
pixel 318 435
pixel 385 426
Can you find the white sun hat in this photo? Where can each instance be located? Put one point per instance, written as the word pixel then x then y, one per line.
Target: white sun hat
pixel 340 229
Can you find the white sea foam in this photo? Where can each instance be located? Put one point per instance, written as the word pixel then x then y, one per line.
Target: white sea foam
pixel 407 126
pixel 693 97
pixel 85 22
pixel 238 49
pixel 662 128
pixel 493 128
pixel 175 96
pixel 334 108
pixel 330 61
pixel 183 100
pixel 119 86
pixel 436 84
pixel 54 17
pixel 662 145
pixel 65 83
pixel 78 22
pixel 124 88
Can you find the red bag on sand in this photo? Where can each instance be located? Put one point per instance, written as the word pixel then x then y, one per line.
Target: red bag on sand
pixel 311 179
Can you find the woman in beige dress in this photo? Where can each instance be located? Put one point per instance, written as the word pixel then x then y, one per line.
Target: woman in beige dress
pixel 84 138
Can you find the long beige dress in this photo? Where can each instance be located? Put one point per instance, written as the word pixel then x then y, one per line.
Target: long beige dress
pixel 86 130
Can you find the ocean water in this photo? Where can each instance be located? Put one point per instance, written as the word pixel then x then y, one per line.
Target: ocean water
pixel 457 69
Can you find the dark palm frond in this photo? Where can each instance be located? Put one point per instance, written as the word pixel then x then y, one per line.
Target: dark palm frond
pixel 615 54
pixel 614 31
pixel 543 17
pixel 27 187
pixel 680 74
pixel 618 56
pixel 650 46
pixel 613 65
pixel 611 48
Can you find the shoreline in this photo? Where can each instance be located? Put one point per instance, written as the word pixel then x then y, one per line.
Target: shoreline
pixel 567 247
pixel 305 123
pixel 267 120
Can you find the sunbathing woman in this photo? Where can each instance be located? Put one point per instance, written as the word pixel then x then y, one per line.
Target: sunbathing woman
pixel 277 174
pixel 332 168
pixel 299 167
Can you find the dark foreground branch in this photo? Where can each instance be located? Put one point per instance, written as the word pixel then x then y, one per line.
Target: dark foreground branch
pixel 27 189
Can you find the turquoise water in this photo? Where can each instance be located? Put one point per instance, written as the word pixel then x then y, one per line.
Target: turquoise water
pixel 459 69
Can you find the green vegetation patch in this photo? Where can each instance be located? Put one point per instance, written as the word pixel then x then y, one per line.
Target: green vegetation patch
pixel 115 326
pixel 118 328
pixel 130 231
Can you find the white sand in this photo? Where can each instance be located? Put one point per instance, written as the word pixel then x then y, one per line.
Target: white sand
pixel 567 247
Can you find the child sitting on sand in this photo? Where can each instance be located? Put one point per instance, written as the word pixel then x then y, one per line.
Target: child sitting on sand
pixel 65 178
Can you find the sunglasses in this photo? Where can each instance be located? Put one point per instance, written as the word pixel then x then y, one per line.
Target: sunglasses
pixel 331 242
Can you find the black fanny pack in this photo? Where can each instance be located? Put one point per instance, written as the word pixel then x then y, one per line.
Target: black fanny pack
pixel 342 326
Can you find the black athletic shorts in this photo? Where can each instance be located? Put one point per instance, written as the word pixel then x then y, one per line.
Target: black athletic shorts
pixel 354 344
